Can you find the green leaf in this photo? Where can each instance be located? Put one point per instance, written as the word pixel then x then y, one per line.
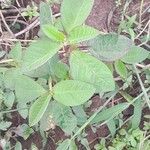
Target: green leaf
pixel 26 131
pixel 60 115
pixel 67 145
pixel 121 69
pixel 38 108
pixel 18 146
pixel 75 12
pixel 64 145
pixel 53 33
pixel 86 68
pixel 80 114
pixel 4 125
pixel 135 55
pixel 63 117
pixel 45 14
pixel 44 70
pixel 27 89
pixel 82 33
pixel 72 92
pixel 9 99
pixel 109 47
pixel 60 70
pixel 73 146
pixel 23 112
pixel 10 77
pixel 3 70
pixel 137 114
pixel 38 53
pixel 110 112
pixel 112 127
pixel 16 52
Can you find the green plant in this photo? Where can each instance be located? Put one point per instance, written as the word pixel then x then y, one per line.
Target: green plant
pixel 49 89
pixel 131 139
pixel 31 11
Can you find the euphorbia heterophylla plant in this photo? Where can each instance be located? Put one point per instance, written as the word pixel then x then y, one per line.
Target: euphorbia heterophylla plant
pixel 71 82
pixel 74 83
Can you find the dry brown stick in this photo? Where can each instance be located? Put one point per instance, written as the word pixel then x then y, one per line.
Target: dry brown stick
pixel 32 25
pixel 14 40
pixel 143 66
pixel 9 11
pixel 143 29
pixel 6 25
pixel 19 21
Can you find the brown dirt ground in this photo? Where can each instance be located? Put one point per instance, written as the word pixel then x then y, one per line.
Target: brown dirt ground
pixel 99 15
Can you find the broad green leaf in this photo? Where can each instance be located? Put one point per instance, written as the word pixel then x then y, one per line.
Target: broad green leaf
pixel 135 55
pixel 73 146
pixel 45 14
pixel 110 112
pixel 47 121
pixel 112 126
pixel 52 32
pixel 121 69
pixel 9 99
pixel 3 69
pixel 23 112
pixel 80 114
pixel 26 131
pixel 109 47
pixel 58 24
pixel 137 114
pixel 64 145
pixel 67 145
pixel 86 68
pixel 16 52
pixel 60 70
pixel 38 108
pixel 27 89
pixel 18 146
pixel 60 115
pixel 38 53
pixel 44 70
pixel 82 33
pixel 73 92
pixel 75 12
pixel 10 77
pixel 4 125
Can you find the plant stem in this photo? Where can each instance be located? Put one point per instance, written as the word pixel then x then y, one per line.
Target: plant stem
pixel 142 86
